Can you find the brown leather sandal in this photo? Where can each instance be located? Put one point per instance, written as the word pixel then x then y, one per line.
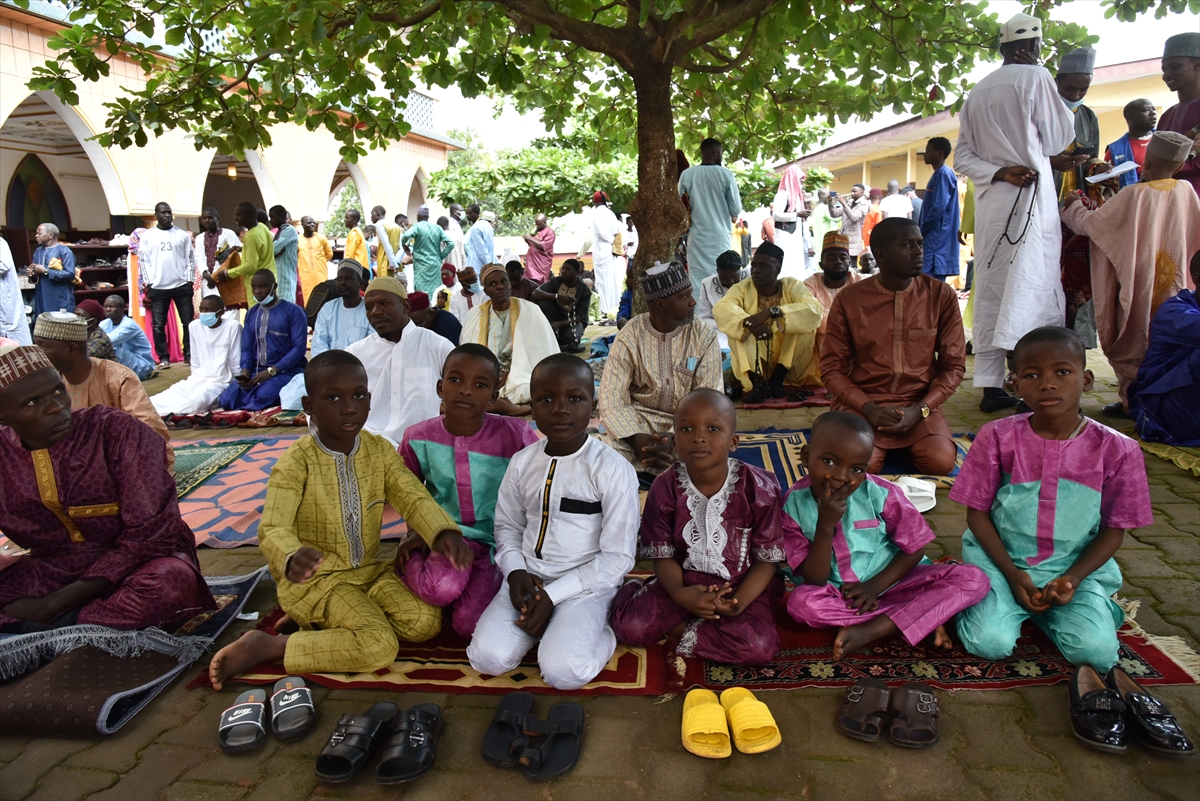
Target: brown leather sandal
pixel 914 710
pixel 863 708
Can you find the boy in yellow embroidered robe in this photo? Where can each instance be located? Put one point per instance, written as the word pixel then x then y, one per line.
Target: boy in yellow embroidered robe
pixel 334 502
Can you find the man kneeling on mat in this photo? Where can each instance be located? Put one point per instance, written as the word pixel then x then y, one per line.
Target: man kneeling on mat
pixel 715 584
pixel 320 533
pixel 862 553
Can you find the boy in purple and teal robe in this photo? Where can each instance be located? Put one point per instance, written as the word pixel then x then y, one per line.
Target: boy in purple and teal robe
pixel 461 457
pixel 1049 496
pixel 859 562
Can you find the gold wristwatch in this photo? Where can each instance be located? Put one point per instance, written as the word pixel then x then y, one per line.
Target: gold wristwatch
pixel 924 407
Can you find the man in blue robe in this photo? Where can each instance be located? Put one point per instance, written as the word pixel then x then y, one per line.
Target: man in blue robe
pixel 939 213
pixel 274 340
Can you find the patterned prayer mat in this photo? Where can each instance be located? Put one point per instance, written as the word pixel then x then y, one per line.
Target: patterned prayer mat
pixel 441 665
pixel 95 679
pixel 1186 459
pixel 195 464
pixel 778 451
pixel 805 660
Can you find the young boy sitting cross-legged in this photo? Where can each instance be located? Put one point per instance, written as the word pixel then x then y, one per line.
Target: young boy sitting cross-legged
pixel 320 533
pixel 566 532
pixel 461 457
pixel 861 555
pixel 714 528
pixel 1049 496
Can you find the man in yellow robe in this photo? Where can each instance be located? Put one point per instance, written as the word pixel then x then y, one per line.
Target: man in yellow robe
pixel 356 243
pixel 314 257
pixel 771 323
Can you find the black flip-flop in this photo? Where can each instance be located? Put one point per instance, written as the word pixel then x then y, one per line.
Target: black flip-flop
pixel 241 727
pixel 508 726
pixel 292 711
pixel 354 741
pixel 558 751
pixel 412 749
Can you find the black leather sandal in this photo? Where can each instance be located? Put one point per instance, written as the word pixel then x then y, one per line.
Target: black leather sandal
pixel 412 748
pixel 354 741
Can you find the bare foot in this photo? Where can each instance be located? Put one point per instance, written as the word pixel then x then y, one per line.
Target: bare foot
pixel 852 638
pixel 252 648
pixel 506 407
pixel 285 625
pixel 941 639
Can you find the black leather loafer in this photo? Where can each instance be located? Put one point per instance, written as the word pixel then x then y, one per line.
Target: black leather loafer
pixel 1149 719
pixel 1097 712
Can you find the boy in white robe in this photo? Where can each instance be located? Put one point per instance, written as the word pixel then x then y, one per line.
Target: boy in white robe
pixel 216 359
pixel 566 532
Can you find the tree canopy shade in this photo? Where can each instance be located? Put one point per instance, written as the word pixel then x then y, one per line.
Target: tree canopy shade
pixel 645 75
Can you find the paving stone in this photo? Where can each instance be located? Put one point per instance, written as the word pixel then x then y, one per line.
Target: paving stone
pixel 1183 516
pixel 1150 620
pixel 204 791
pixel 1180 595
pixel 285 777
pixel 890 774
pixel 245 770
pixel 20 776
pixel 1170 781
pixel 119 751
pixel 1015 782
pixel 11 746
pixel 953 698
pixel 1145 564
pixel 995 738
pixel 1191 624
pixel 1176 550
pixel 158 767
pixel 64 782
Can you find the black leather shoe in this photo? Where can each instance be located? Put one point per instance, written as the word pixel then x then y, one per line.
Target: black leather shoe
pixel 995 402
pixel 1149 719
pixel 1097 712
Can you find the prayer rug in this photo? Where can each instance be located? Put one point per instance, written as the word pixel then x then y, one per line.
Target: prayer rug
pixel 818 397
pixel 225 511
pixel 195 464
pixel 95 679
pixel 778 452
pixel 441 666
pixel 805 659
pixel 1186 459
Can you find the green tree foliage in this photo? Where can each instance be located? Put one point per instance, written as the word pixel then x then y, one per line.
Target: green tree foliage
pixel 646 76
pixel 347 198
pixel 817 178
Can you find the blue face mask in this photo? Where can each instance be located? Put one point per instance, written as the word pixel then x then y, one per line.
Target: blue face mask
pixel 1073 104
pixel 209 319
pixel 470 289
pixel 268 300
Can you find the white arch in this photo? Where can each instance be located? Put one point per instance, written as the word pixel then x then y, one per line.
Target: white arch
pixel 258 168
pixel 364 189
pixel 110 182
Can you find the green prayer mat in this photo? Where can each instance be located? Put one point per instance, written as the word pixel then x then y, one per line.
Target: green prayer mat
pixel 195 464
pixel 1186 459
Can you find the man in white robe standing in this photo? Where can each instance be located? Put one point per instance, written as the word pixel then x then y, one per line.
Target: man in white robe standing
pixel 1012 123
pixel 13 323
pixel 403 362
pixel 458 256
pixel 711 194
pixel 216 359
pixel 605 227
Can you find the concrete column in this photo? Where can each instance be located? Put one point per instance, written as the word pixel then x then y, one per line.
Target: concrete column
pixel 911 172
pixel 866 173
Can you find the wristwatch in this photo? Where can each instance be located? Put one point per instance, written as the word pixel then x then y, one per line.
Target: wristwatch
pixel 924 407
pixel 275 372
pixel 776 312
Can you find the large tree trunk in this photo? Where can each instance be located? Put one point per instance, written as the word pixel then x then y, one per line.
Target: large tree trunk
pixel 657 210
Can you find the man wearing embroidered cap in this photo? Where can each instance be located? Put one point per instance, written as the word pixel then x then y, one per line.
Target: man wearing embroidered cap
pixel 1073 80
pixel 90 494
pixel 403 362
pixel 835 276
pixel 95 382
pixel 771 323
pixel 657 358
pixel 429 245
pixel 1181 73
pixel 1141 241
pixel 1012 122
pixel 513 329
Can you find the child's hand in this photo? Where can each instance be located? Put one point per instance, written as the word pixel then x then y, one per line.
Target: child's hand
pixel 831 503
pixel 533 621
pixel 1026 594
pixel 697 599
pixel 411 542
pixel 1059 591
pixel 303 564
pixel 451 545
pixel 522 584
pixel 859 595
pixel 727 605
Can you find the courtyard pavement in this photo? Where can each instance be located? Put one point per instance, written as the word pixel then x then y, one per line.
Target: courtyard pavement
pixel 994 744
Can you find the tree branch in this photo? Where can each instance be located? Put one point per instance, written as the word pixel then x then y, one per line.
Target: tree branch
pixel 729 16
pixel 407 22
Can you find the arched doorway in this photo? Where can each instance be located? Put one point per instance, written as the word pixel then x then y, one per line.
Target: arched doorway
pixel 34 197
pixel 231 181
pixel 417 193
pixel 347 190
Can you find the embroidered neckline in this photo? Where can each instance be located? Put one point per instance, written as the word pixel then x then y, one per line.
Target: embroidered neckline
pixel 706 548
pixel 349 498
